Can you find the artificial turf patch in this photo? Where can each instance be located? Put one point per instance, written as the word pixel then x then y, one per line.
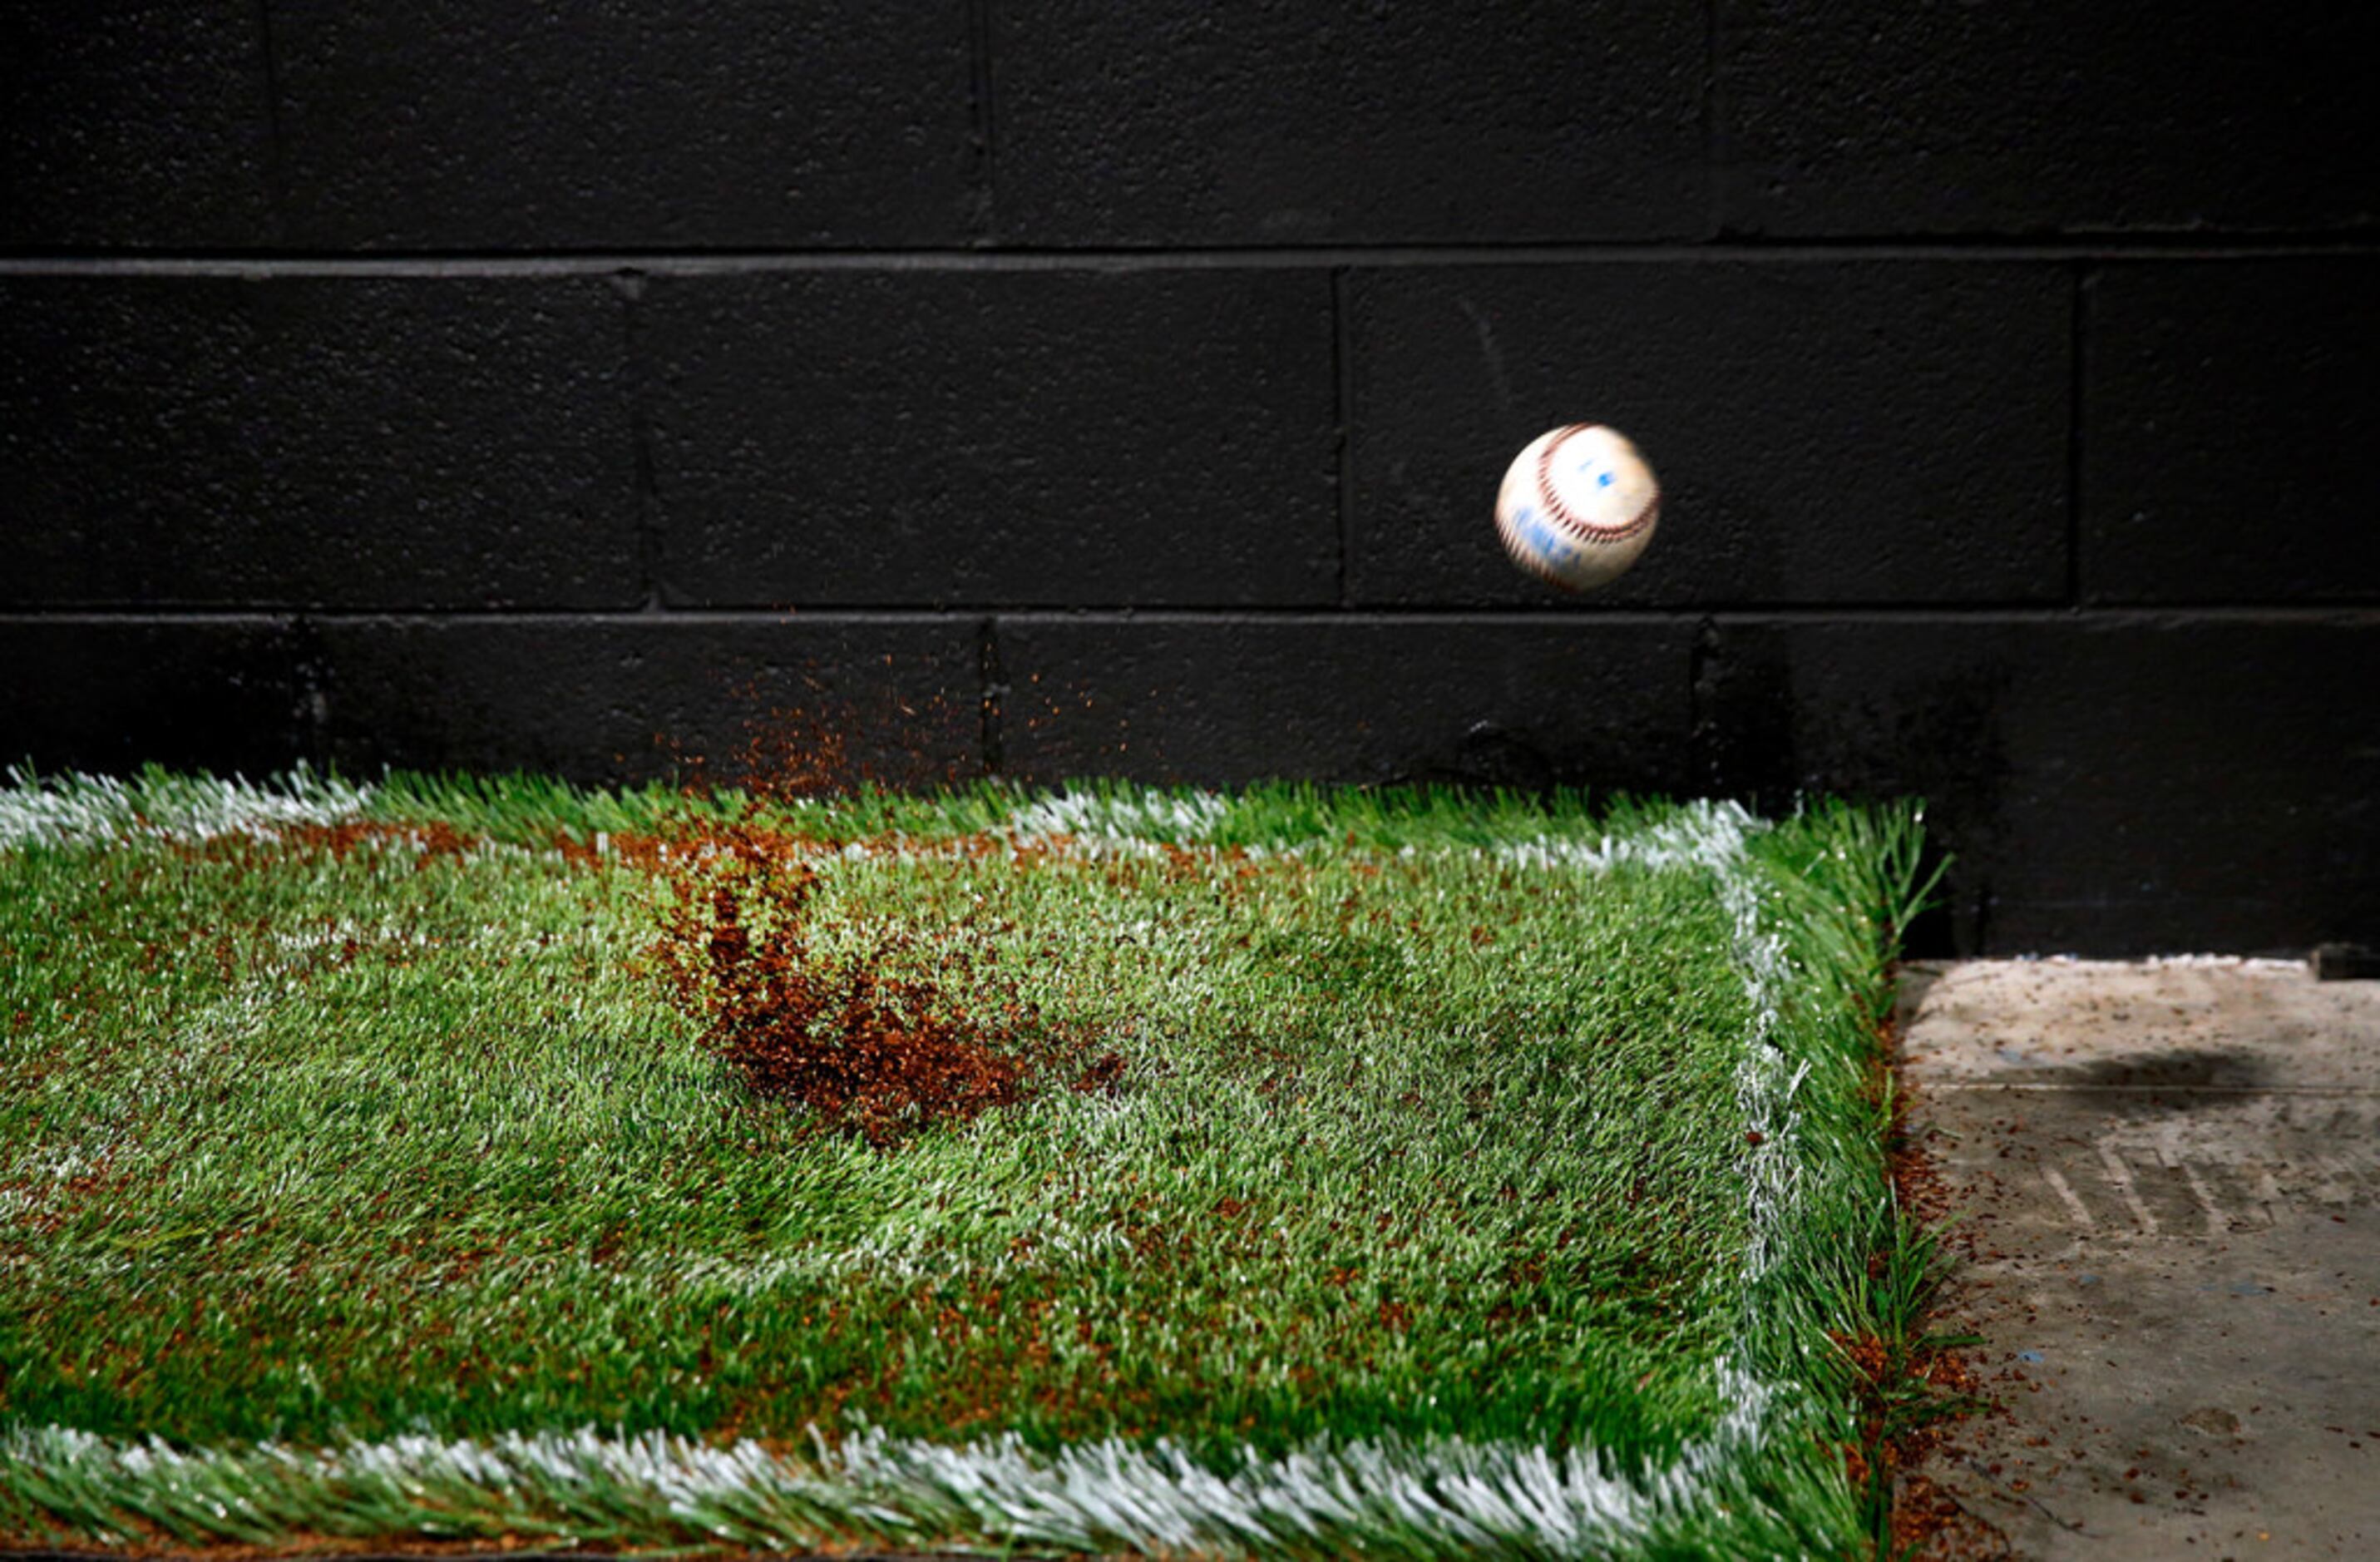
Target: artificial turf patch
pixel 1292 1173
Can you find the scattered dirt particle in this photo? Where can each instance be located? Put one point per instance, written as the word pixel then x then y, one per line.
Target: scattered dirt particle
pixel 873 1043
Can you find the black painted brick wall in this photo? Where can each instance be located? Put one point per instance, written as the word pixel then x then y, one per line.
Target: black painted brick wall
pixel 1044 388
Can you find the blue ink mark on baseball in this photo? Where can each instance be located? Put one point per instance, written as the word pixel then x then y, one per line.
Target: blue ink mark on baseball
pixel 1605 480
pixel 1545 540
pixel 1525 515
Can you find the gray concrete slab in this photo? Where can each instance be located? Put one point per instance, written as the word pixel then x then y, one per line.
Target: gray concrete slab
pixel 2172 1173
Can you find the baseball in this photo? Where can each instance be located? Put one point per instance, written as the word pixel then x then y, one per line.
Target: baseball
pixel 1577 507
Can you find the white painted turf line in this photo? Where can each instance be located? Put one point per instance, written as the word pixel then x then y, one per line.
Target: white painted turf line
pixel 79 809
pixel 1484 1498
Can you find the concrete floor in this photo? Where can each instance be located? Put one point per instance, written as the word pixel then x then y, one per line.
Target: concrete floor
pixel 2172 1180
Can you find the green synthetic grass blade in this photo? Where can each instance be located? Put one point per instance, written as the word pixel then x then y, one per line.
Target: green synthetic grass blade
pixel 1399 1171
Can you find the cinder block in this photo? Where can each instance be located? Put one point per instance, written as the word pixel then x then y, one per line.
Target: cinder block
pixel 1523 702
pixel 2228 418
pixel 1824 431
pixel 316 442
pixel 136 124
pixel 1881 116
pixel 110 696
pixel 1180 122
pixel 2112 785
pixel 604 124
pixel 1019 437
pixel 636 697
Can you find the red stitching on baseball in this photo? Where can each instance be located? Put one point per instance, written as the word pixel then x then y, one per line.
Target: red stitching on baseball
pixel 1578 526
